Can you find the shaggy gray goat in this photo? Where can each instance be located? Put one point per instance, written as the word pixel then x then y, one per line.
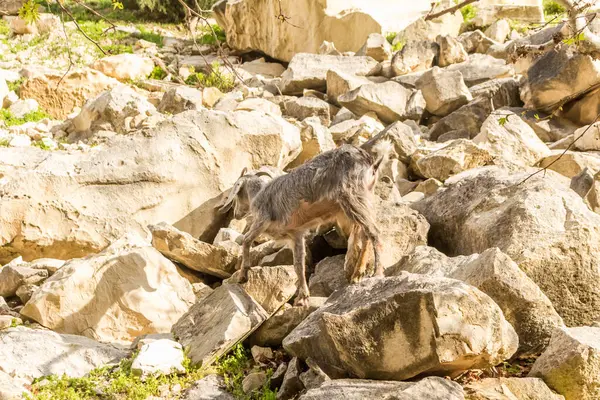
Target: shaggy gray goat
pixel 333 187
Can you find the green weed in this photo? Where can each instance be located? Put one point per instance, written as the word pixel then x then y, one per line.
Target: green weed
pixel 150 36
pixel 552 8
pixel 11 120
pixel 158 73
pixel 4 28
pixel 208 37
pixel 215 78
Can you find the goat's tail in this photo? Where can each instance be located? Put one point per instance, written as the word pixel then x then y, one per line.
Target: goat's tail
pixel 382 151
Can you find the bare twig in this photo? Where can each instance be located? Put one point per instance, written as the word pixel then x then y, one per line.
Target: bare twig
pixel 449 10
pixel 563 153
pixel 68 12
pixel 62 21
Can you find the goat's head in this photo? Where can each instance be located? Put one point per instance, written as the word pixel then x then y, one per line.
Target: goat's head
pixel 243 191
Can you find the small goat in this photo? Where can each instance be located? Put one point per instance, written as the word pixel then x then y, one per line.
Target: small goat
pixel 333 187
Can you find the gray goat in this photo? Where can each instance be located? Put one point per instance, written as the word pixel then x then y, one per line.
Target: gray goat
pixel 333 187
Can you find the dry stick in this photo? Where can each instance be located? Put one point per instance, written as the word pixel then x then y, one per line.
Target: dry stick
pixel 62 21
pixel 563 153
pixel 449 9
pixel 79 27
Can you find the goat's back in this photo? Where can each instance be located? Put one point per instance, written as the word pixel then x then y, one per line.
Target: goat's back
pixel 325 177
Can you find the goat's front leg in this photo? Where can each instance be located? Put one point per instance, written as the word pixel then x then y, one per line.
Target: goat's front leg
pixel 249 238
pixel 300 267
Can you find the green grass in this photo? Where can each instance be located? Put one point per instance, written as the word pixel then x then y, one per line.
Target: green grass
pixel 121 383
pixel 4 142
pixel 552 8
pixel 158 73
pixel 208 37
pixel 215 78
pixel 234 367
pixel 11 120
pixel 4 28
pixel 469 13
pixel 149 36
pixel 16 85
pixel 111 383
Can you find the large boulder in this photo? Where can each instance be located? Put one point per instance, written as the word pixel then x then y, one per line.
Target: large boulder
pixel 544 226
pixel 389 100
pixel 510 389
pixel 416 55
pixel 74 90
pixel 400 327
pixel 65 205
pixel 125 291
pixel 524 305
pixel 11 7
pixel 431 388
pixel 310 24
pixel 309 71
pixel 510 140
pixel 559 75
pixel 215 324
pixel 28 354
pixel 571 363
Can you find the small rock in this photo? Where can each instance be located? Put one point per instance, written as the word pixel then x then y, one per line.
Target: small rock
pixel 261 354
pixel 211 387
pixel 498 31
pixel 21 108
pixel 510 389
pixel 194 254
pixel 316 139
pixel 451 51
pixel 25 292
pixel 159 357
pixel 211 96
pixel 376 47
pixel 329 276
pixel 254 381
pixel 8 321
pixel 389 100
pixel 415 56
pixel 125 67
pixel 180 99
pixel 270 287
pixel 20 141
pixel 292 385
pixel 457 156
pixel 305 107
pixel 13 276
pixel 258 104
pixel 444 91
pixel 480 68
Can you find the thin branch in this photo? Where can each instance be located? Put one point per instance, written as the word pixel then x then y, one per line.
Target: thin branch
pixel 449 9
pixel 96 13
pixel 62 21
pixel 61 5
pixel 563 153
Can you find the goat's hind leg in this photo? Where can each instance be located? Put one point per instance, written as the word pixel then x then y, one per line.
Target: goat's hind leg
pixel 249 238
pixel 357 256
pixel 300 267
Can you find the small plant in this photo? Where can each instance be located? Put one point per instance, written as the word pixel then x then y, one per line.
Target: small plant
pixel 14 323
pixel 4 28
pixel 208 37
pixel 16 85
pixel 215 78
pixel 552 8
pixel 158 73
pixel 149 36
pixel 29 12
pixel 469 13
pixel 10 120
pixel 41 145
pixel 4 142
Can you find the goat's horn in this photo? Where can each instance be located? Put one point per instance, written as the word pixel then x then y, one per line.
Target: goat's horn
pixel 244 171
pixel 265 173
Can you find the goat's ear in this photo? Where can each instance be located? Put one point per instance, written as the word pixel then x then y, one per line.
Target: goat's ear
pixel 235 190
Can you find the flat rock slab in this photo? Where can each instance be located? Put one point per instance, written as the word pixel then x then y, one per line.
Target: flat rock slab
pixel 194 254
pixel 432 388
pixel 29 354
pixel 212 326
